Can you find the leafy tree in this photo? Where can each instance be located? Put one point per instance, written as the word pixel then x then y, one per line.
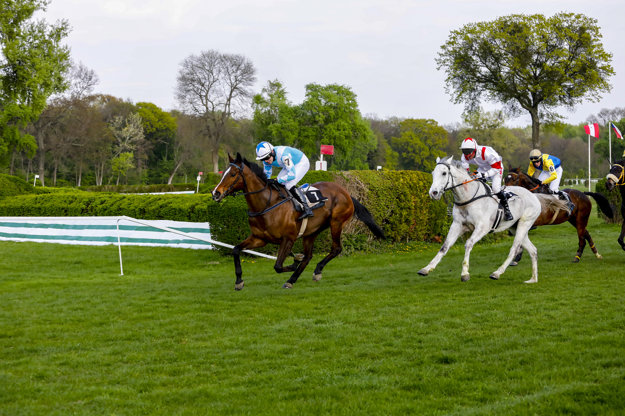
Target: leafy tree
pixel 213 86
pixel 121 164
pixel 274 116
pixel 330 115
pixel 528 63
pixel 159 129
pixel 32 66
pixel 419 143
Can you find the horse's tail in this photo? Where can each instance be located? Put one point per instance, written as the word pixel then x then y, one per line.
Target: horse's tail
pixel 363 214
pixel 603 203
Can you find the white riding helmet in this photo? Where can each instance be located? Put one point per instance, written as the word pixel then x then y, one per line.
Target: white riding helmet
pixel 535 154
pixel 263 150
pixel 468 146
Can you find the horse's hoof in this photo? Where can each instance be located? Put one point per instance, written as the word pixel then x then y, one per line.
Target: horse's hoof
pixel 239 286
pixel 514 263
pixel 575 260
pixel 465 277
pixel 532 280
pixel 494 276
pixel 287 285
pixel 423 272
pixel 299 257
pixel 599 256
pixel 316 277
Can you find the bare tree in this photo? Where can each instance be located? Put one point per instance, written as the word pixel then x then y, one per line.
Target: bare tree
pixel 214 86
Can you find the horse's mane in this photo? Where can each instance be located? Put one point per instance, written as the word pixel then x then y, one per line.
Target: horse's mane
pixel 254 167
pixel 518 171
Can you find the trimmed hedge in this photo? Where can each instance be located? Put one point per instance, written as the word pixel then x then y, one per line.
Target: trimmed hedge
pixel 12 185
pixel 398 200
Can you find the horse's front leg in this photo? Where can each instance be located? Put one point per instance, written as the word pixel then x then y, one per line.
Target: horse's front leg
pixel 249 243
pixel 479 233
pixel 456 230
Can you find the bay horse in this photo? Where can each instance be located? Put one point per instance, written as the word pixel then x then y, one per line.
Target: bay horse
pixel 578 216
pixel 616 177
pixel 273 219
pixel 476 209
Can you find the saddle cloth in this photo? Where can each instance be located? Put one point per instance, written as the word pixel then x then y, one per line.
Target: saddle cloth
pixel 314 197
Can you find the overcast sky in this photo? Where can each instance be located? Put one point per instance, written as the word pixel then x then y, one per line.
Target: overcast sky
pixel 384 50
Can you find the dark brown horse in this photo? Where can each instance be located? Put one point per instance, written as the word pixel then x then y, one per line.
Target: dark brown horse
pixel 578 216
pixel 273 219
pixel 615 178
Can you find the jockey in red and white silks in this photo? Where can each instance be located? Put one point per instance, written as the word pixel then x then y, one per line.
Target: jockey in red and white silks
pixel 489 166
pixel 488 161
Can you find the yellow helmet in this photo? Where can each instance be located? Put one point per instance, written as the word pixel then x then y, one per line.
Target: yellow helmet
pixel 535 155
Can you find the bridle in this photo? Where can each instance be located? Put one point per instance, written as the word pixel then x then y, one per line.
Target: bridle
pixel 245 192
pixel 618 181
pixel 518 175
pixel 474 197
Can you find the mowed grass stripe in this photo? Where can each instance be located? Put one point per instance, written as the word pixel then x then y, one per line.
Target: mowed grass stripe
pixel 171 336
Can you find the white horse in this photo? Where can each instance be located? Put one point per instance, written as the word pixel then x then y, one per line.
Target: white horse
pixel 477 209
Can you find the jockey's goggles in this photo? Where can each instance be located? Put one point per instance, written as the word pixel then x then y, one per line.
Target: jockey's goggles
pixel 467 152
pixel 535 158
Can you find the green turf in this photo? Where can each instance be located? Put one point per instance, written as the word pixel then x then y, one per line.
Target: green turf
pixel 172 337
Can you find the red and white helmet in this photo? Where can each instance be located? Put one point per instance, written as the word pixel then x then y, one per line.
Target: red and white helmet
pixel 468 146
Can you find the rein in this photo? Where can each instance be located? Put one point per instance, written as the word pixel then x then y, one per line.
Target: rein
pixel 475 196
pixel 267 207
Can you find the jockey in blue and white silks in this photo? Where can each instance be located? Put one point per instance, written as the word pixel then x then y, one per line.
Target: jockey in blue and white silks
pixel 294 164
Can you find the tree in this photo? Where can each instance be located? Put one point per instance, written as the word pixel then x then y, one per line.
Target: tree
pixel 419 144
pixel 32 65
pixel 159 129
pixel 274 116
pixel 213 86
pixel 128 134
pixel 529 63
pixel 121 164
pixel 330 115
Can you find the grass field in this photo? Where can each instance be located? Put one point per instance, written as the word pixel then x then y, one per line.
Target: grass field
pixel 172 337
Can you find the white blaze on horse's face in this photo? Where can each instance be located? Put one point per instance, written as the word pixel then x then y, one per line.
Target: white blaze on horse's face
pixel 440 179
pixel 217 196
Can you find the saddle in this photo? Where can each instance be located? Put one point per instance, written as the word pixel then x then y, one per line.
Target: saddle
pixel 314 198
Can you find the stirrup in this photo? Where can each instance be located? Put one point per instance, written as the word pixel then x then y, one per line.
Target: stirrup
pixel 307 213
pixel 507 215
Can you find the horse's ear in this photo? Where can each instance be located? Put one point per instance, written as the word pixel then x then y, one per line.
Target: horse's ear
pixel 230 158
pixel 238 159
pixel 438 159
pixel 450 158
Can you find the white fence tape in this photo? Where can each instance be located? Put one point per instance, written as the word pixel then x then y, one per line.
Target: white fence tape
pixel 103 231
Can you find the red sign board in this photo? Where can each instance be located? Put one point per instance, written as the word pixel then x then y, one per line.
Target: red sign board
pixel 201 173
pixel 327 149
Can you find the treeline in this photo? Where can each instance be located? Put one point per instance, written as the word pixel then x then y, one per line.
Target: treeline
pixel 85 139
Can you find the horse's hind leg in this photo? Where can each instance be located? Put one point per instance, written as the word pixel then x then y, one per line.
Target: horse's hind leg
pixel 521 239
pixel 301 264
pixel 336 228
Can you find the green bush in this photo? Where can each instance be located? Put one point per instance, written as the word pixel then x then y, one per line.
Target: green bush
pixel 12 185
pixel 398 200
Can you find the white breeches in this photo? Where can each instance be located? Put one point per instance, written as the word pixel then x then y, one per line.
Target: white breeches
pixel 554 185
pixel 496 185
pixel 300 170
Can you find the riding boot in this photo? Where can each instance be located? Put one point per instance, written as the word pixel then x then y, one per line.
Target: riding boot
pixel 507 215
pixel 297 193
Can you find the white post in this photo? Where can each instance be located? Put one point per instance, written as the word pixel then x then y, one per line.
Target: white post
pixel 610 141
pixel 35 181
pixel 589 163
pixel 119 245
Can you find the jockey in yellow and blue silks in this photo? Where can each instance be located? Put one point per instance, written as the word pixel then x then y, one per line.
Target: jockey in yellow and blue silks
pixel 546 168
pixel 294 164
